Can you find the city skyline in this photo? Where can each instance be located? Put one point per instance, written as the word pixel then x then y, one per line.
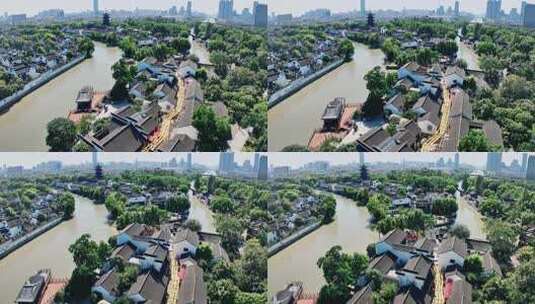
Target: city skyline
pixel 29 159
pixel 33 7
pixel 296 160
pixel 477 7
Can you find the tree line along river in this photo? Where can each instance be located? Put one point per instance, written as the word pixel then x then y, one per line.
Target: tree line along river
pixel 51 249
pixel 350 230
pixel 293 120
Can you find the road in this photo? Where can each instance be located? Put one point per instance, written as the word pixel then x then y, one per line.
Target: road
pixel 174 283
pixel 167 123
pixel 430 145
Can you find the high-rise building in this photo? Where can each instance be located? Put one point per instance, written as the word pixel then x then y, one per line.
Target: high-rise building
pixel 457 10
pixel 524 162
pixel 188 10
pixel 226 162
pixel 95 159
pixel 530 174
pixel 494 161
pixel 457 161
pixel 255 162
pixel 95 7
pixel 189 164
pixel 494 8
pixel 363 8
pixel 522 9
pixel 528 18
pixel 226 9
pixel 260 14
pixel 361 158
pixel 263 168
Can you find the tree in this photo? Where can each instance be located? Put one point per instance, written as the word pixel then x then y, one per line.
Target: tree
pixel 340 270
pixel 346 49
pixel 178 203
pixel 327 208
pixel 295 148
pixel 231 230
pixel 460 231
pixel 127 277
pixel 475 141
pixel 502 237
pixel 181 45
pixel 473 264
pixel 87 47
pixel 385 295
pixel 492 207
pixel 61 135
pixel 88 253
pixel 193 225
pixel 445 206
pixel 204 253
pixel 252 269
pixel 222 204
pixel 116 204
pixel 222 291
pixel 119 92
pixel 214 132
pixel 67 202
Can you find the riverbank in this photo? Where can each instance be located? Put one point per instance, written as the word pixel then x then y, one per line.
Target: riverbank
pixel 7 102
pixel 30 237
pixel 301 83
pixel 293 238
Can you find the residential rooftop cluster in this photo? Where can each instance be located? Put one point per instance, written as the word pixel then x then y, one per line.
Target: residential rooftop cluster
pixel 33 52
pixel 297 53
pixel 25 208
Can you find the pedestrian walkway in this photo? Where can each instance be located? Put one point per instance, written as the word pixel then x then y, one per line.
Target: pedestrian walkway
pixel 174 283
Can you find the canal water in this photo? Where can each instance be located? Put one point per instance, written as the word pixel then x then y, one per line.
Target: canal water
pixel 294 120
pixel 350 229
pixel 201 213
pixel 23 127
pixel 471 218
pixel 469 55
pixel 50 250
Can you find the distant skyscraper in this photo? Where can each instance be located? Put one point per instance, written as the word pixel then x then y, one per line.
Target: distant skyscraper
pixel 188 10
pixel 263 168
pixel 95 159
pixel 524 162
pixel 494 161
pixel 523 9
pixel 260 14
pixel 255 162
pixel 226 9
pixel 457 161
pixel 457 10
pixel 226 162
pixel 530 175
pixel 494 8
pixel 95 6
pixel 361 158
pixel 528 18
pixel 363 8
pixel 189 163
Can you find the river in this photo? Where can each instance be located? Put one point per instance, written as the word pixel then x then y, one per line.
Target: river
pixel 201 213
pixel 294 120
pixel 350 230
pixel 469 216
pixel 23 127
pixel 50 250
pixel 298 262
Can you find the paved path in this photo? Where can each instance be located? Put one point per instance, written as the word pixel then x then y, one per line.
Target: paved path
pixel 430 145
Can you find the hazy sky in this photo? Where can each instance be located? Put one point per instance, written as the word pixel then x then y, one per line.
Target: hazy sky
pixel 34 6
pixel 296 160
pixel 31 159
pixel 297 7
